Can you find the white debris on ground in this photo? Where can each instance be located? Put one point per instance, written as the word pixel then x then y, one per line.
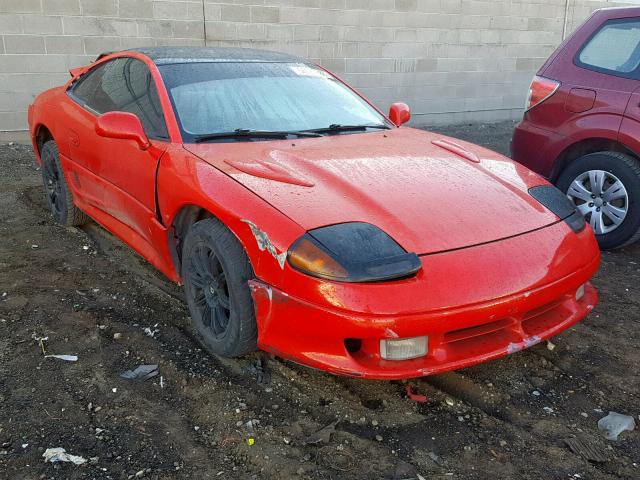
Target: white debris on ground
pixel 143 372
pixel 151 332
pixel 66 358
pixel 616 423
pixel 59 454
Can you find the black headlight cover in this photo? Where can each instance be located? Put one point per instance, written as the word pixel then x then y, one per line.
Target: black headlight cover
pixel 364 251
pixel 558 203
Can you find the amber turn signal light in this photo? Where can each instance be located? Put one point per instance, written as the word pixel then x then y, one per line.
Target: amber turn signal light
pixel 310 258
pixel 352 252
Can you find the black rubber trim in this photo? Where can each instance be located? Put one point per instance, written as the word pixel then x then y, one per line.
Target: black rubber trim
pixel 367 253
pixel 558 203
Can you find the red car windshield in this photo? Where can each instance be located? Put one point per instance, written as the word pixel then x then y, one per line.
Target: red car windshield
pixel 211 98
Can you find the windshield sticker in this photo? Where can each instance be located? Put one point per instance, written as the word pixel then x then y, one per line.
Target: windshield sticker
pixel 307 71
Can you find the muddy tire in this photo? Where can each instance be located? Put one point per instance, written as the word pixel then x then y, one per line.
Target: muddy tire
pixel 216 272
pixel 58 196
pixel 605 186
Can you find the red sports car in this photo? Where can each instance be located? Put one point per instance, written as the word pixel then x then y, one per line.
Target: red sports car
pixel 304 222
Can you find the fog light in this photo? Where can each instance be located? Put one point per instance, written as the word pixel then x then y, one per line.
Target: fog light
pixel 404 349
pixel 580 292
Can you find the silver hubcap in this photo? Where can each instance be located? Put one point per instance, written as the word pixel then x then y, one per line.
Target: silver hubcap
pixel 602 198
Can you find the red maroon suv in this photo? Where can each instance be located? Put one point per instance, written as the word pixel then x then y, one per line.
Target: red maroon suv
pixel 581 128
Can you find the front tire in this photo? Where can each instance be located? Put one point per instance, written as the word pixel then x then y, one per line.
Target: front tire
pixel 216 272
pixel 605 187
pixel 58 196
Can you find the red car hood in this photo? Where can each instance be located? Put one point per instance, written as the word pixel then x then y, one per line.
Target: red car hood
pixel 429 192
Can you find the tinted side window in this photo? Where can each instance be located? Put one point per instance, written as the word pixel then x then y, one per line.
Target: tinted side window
pixel 124 84
pixel 614 48
pixel 88 84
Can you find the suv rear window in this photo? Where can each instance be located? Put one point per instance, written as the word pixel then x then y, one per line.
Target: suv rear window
pixel 615 48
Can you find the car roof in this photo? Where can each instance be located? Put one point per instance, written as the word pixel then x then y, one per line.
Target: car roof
pixel 630 8
pixel 169 55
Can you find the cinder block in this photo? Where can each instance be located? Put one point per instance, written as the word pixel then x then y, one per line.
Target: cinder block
pixel 382 65
pixel 336 65
pixel 61 7
pixel 135 8
pixel 212 11
pixel 73 61
pixel 196 12
pixel 63 44
pixel 409 5
pixel 34 64
pixel 406 35
pixel 280 32
pixel 99 8
pixel 42 25
pixel 294 15
pixel 251 32
pixel 265 14
pixel 346 50
pixel 20 6
pixel 172 10
pixel 11 23
pixel 13 120
pixel 529 64
pixel 100 27
pixel 545 24
pixel 137 42
pixel 97 45
pixel 331 33
pixel 188 29
pixel 217 31
pixel 179 42
pixel 358 65
pixel 24 44
pixel 306 33
pixel 235 13
pixel 321 49
pixel 154 28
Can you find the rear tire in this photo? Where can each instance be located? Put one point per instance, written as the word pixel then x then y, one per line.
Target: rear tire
pixel 58 196
pixel 216 272
pixel 613 207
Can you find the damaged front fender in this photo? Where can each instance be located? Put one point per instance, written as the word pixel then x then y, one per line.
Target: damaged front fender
pixel 264 243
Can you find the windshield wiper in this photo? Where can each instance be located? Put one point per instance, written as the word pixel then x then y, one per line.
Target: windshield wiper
pixel 336 127
pixel 246 133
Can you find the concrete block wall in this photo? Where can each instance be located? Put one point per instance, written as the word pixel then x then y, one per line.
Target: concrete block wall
pixel 450 60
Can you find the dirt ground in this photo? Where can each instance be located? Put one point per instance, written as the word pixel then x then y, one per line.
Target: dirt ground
pixel 204 418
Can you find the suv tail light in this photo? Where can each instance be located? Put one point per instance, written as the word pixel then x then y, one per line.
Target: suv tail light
pixel 541 89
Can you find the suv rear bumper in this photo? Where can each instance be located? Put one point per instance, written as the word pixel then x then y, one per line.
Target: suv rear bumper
pixel 532 146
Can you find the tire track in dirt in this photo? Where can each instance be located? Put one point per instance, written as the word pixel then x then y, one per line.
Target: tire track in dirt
pixel 517 418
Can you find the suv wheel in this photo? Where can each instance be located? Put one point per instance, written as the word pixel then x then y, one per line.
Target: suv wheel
pixel 605 188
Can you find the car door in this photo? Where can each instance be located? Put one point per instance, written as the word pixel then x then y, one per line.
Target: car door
pixel 630 129
pixel 122 175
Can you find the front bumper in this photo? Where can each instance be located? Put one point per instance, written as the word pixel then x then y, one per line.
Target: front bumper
pixel 492 319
